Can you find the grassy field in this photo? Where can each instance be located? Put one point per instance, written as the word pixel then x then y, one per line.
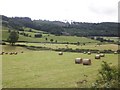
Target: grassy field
pixel 93 46
pixel 112 38
pixel 70 39
pixel 47 69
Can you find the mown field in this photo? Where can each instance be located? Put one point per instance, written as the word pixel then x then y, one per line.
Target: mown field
pixel 47 69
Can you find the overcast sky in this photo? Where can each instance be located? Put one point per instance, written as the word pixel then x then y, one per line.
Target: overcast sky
pixel 70 10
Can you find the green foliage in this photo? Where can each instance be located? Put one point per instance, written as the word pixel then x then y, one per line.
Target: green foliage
pixel 9 30
pixel 38 35
pixel 108 77
pixel 13 37
pixel 78 43
pixel 57 27
pixel 51 40
pixel 46 39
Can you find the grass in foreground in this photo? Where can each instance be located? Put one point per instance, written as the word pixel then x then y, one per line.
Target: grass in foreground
pixel 47 69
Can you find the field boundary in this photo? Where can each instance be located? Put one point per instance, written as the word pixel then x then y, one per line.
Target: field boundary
pixel 39 48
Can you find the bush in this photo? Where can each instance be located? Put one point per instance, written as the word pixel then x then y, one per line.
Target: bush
pixel 38 35
pixel 108 77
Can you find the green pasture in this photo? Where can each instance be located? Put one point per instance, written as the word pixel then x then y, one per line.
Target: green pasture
pixel 47 69
pixel 61 39
pixel 112 38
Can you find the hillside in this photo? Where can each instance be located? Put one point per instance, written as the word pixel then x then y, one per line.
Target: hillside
pixel 63 28
pixel 56 39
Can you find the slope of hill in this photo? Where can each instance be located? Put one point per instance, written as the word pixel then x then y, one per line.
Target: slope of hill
pixel 58 39
pixel 61 28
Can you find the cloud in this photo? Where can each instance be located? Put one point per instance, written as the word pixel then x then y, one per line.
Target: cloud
pixel 102 7
pixel 76 10
pixel 103 10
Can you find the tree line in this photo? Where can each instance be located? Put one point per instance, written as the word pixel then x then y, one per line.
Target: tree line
pixel 63 28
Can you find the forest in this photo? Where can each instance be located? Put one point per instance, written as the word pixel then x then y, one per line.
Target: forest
pixel 63 28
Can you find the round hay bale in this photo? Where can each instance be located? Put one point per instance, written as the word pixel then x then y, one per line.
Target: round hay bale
pixel 15 53
pixel 2 53
pixel 78 60
pixel 115 52
pixel 10 53
pixel 102 55
pixel 97 56
pixel 86 61
pixel 84 52
pixel 60 53
pixel 89 53
pixel 6 52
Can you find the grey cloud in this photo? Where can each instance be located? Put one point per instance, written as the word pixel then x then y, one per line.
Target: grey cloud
pixel 103 10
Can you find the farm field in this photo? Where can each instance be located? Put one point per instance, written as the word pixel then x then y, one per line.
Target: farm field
pixel 61 39
pixel 47 69
pixel 93 46
pixel 112 38
pixel 61 49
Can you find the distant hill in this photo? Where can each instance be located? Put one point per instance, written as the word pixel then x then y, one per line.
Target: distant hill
pixel 63 28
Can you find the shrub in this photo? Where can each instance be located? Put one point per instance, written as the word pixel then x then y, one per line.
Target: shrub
pixel 38 35
pixel 108 77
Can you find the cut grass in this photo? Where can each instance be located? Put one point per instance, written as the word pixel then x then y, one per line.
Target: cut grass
pixel 47 69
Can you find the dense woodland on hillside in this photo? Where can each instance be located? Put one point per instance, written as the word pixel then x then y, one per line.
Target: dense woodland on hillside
pixel 63 28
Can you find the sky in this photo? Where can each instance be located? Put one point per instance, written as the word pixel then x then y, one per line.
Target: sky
pixel 62 10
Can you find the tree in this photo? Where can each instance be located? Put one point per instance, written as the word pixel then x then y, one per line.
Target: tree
pixel 38 35
pixel 13 37
pixel 51 40
pixel 55 41
pixel 9 30
pixel 46 39
pixel 78 43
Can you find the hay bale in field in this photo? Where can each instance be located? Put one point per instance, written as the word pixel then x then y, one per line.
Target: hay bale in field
pixel 60 53
pixel 86 61
pixel 15 53
pixel 102 55
pixel 89 53
pixel 2 53
pixel 11 53
pixel 97 56
pixel 115 52
pixel 84 52
pixel 78 60
pixel 6 52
